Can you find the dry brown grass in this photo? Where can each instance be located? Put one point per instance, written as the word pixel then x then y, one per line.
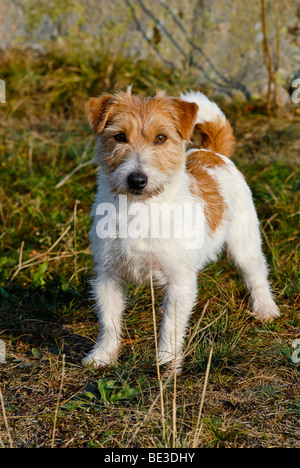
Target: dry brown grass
pixel 239 386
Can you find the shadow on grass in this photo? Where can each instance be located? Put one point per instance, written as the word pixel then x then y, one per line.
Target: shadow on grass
pixel 49 319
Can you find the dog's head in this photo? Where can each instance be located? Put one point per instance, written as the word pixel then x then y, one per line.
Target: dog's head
pixel 142 139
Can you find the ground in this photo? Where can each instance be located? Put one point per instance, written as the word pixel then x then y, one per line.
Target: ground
pixel 251 396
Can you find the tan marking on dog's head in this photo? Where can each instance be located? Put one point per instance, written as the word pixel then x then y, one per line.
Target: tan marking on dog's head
pixel 142 134
pixel 186 115
pixel 98 112
pixel 205 186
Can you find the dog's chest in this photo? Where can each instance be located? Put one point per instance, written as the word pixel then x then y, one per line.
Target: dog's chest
pixel 135 259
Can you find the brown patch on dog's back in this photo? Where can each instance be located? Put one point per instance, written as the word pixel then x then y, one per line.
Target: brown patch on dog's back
pixel 205 186
pixel 205 158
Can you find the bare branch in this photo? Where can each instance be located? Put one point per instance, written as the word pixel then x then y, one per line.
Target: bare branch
pixel 224 83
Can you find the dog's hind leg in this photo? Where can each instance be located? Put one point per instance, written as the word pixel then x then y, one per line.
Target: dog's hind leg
pixel 245 248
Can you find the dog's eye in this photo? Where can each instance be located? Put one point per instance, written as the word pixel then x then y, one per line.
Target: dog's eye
pixel 120 138
pixel 160 139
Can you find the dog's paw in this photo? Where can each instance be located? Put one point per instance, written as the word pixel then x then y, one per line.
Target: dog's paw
pixel 169 369
pixel 165 356
pixel 266 312
pixel 170 363
pixel 98 358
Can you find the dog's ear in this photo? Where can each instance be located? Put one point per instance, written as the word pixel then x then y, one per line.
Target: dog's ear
pixel 98 112
pixel 186 113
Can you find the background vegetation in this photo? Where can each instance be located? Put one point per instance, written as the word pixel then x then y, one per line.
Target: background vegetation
pixel 239 386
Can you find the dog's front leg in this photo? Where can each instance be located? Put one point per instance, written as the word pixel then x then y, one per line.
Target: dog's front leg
pixel 108 291
pixel 177 308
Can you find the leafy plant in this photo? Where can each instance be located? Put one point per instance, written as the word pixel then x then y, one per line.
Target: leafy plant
pixel 105 391
pixel 112 391
pixel 222 434
pixel 39 277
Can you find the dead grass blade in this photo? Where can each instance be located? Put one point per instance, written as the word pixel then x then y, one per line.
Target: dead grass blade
pixel 156 354
pixel 175 385
pixel 190 349
pixel 32 261
pixel 58 400
pixel 75 240
pixel 76 169
pixel 5 420
pixel 199 426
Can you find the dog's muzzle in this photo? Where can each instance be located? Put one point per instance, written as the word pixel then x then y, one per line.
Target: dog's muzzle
pixel 137 181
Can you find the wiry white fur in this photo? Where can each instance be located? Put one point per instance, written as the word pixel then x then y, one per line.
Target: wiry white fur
pixel 208 110
pixel 173 266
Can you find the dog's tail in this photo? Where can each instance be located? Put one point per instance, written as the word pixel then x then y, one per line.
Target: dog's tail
pixel 212 124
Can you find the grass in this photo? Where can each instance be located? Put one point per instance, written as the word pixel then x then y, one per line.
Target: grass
pixel 248 395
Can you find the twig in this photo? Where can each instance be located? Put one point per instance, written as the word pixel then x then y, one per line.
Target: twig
pixel 227 82
pixel 189 351
pixel 198 426
pixel 32 261
pixel 87 146
pixel 267 53
pixel 146 38
pixel 76 169
pixel 75 240
pixel 58 400
pixel 277 25
pixel 30 151
pixel 21 254
pixel 80 165
pixel 5 420
pixel 170 377
pixel 57 257
pixel 277 55
pixel 197 326
pixel 272 69
pixel 59 239
pixel 156 353
pixel 224 83
pixel 175 384
pixel 139 425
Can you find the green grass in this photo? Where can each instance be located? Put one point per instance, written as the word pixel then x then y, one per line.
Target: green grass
pixel 252 397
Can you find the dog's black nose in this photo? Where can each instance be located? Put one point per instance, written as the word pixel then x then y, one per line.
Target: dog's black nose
pixel 137 181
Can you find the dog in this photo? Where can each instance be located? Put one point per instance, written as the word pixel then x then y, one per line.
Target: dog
pixel 144 160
